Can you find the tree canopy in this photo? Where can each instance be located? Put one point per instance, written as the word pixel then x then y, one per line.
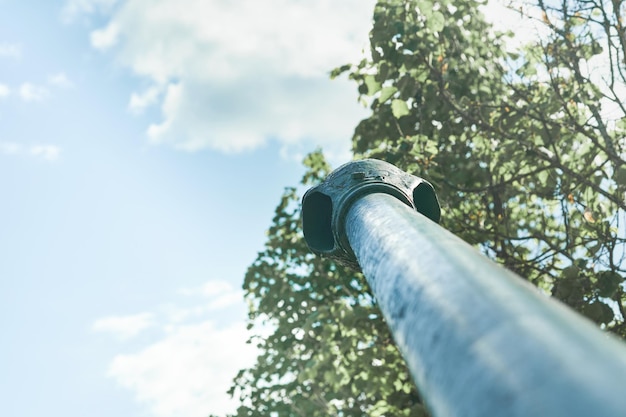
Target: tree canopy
pixel 525 148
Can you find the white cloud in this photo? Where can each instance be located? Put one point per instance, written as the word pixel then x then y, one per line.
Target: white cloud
pixel 188 369
pixel 217 38
pixel 221 294
pixel 60 80
pixel 124 327
pixel 237 118
pixel 5 91
pixel 188 372
pixel 9 148
pixel 225 300
pixel 105 38
pixel 47 152
pixel 209 289
pixel 232 75
pixel 140 101
pixel 10 50
pixel 32 93
pixel 75 8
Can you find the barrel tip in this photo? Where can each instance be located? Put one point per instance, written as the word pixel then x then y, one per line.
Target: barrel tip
pixel 325 206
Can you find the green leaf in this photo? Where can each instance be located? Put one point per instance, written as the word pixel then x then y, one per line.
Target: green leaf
pixel 598 312
pixel 373 86
pixel 418 410
pixel 338 71
pixel 571 272
pixel 608 283
pixel 386 93
pixel 431 147
pixel 436 22
pixel 399 108
pixel 425 7
pixel 620 175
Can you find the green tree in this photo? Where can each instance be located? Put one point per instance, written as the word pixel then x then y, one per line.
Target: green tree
pixel 528 164
pixel 525 150
pixel 328 352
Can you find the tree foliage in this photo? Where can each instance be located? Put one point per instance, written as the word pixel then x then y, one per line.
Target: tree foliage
pixel 525 147
pixel 328 352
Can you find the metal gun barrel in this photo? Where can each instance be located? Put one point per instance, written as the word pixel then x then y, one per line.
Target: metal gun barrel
pixel 479 340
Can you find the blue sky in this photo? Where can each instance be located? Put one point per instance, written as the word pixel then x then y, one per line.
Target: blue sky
pixel 143 147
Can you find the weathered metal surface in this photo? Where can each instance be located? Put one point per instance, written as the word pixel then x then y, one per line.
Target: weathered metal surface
pixel 324 207
pixel 479 341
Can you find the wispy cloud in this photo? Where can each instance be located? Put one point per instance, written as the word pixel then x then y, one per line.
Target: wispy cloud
pixel 5 91
pixel 140 101
pixel 76 8
pixel 209 289
pixel 220 295
pixel 106 37
pixel 232 75
pixel 10 148
pixel 188 369
pixel 33 93
pixel 10 50
pixel 188 372
pixel 124 327
pixel 60 80
pixel 45 152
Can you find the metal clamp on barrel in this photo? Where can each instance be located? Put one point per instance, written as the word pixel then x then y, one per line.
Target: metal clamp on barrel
pixel 324 207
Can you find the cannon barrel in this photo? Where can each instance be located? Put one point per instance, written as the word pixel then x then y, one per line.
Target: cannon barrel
pixel 478 340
